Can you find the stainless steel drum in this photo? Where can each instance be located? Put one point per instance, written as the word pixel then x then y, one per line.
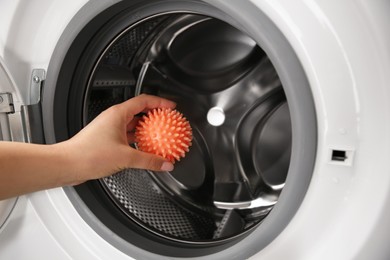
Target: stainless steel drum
pixel 226 86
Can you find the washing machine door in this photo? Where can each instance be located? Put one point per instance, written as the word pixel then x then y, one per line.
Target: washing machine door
pixel 18 117
pixel 8 93
pixel 8 97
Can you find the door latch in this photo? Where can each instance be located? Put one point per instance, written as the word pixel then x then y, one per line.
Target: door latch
pixel 32 112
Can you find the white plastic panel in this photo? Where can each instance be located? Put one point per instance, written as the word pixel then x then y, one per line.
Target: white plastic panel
pixel 29 32
pixel 25 236
pixel 343 53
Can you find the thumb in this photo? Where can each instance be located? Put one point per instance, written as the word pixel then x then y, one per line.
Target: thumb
pixel 147 161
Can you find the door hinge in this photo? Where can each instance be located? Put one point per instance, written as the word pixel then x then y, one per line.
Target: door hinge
pixel 6 103
pixel 6 108
pixel 29 113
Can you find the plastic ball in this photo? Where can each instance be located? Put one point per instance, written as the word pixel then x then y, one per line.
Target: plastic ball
pixel 164 132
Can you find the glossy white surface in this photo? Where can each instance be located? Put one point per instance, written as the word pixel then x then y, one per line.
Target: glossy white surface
pixel 344 49
pixel 47 226
pixel 29 32
pixel 346 58
pixel 6 207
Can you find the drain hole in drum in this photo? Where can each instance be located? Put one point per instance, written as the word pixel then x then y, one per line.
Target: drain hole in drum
pixel 226 86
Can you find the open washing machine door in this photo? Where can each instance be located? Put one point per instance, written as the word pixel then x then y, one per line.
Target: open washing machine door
pixel 16 115
pixel 7 92
pixel 291 129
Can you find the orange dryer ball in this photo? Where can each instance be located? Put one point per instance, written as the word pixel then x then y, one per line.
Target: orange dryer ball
pixel 164 132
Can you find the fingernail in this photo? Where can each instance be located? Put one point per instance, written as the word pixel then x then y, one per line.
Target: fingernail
pixel 167 167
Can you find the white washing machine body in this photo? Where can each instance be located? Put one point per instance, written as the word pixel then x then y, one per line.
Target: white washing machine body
pixel 344 50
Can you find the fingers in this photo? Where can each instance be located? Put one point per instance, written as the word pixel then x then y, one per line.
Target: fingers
pixel 145 102
pixel 142 160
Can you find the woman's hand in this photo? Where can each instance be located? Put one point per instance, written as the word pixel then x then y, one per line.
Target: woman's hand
pixel 99 150
pixel 102 147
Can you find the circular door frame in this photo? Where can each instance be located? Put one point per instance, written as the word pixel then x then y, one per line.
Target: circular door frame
pixel 293 79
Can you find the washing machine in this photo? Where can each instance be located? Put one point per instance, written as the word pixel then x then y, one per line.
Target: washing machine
pixel 289 102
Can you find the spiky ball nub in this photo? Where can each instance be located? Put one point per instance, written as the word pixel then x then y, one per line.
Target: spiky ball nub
pixel 164 132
